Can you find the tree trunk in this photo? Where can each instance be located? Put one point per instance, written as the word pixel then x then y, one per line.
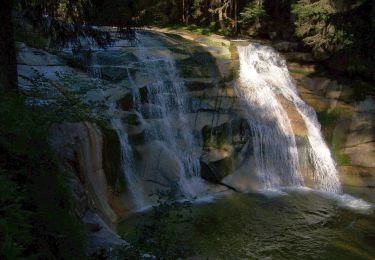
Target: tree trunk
pixel 221 20
pixel 235 17
pixel 257 20
pixel 8 62
pixel 183 11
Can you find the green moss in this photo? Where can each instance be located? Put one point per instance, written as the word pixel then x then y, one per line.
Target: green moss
pixel 329 118
pixel 337 146
pixel 192 28
pixel 217 137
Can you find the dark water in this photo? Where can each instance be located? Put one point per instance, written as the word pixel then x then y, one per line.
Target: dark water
pixel 290 225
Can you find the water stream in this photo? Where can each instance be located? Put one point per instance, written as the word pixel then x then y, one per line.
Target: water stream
pixel 127 161
pixel 264 78
pixel 167 108
pixel 160 103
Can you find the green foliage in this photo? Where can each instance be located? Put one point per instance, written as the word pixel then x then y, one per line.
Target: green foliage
pixel 328 119
pixel 314 25
pixel 251 13
pixel 62 97
pixel 32 39
pixel 337 146
pixel 324 25
pixel 166 232
pixel 37 216
pixel 160 13
pixel 15 235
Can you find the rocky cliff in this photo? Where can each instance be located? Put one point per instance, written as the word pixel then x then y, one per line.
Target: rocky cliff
pixel 208 66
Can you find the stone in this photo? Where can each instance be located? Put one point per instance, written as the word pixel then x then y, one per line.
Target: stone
pixel 93 227
pixel 362 154
pixel 272 35
pixel 104 239
pixel 114 73
pixel 115 57
pixel 196 104
pixel 320 54
pixel 36 57
pixel 357 176
pixel 82 143
pixel 362 125
pixel 199 84
pixel 319 104
pixel 159 166
pixel 285 46
pixel 297 122
pixel 244 178
pixel 366 106
pixel 126 102
pixel 299 56
pixel 316 84
pixel 217 170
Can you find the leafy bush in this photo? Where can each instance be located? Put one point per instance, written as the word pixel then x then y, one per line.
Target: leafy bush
pixel 166 232
pixel 324 25
pixel 37 216
pixel 251 13
pixel 314 24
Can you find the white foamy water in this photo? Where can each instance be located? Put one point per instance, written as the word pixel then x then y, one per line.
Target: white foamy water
pixel 167 104
pixel 264 76
pixel 127 162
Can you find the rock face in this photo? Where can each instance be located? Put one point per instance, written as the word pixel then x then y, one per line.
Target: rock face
pixel 208 67
pixel 80 145
pixel 348 123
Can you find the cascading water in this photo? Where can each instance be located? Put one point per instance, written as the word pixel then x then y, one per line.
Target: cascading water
pixel 94 70
pixel 167 108
pixel 127 161
pixel 263 77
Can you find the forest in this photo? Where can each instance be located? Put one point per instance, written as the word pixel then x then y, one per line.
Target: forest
pixel 38 212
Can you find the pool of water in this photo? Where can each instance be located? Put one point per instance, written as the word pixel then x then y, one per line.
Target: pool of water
pixel 287 224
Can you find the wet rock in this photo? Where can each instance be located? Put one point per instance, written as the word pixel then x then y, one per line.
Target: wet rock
pixel 217 164
pixel 362 128
pixel 285 46
pixel 126 102
pixel 316 84
pixel 81 144
pixel 362 154
pixel 102 240
pixel 112 160
pixel 320 54
pixel 199 84
pixel 159 166
pixel 36 57
pixel 356 176
pixel 131 119
pixel 272 35
pixel 196 104
pixel 299 56
pixel 115 73
pixel 115 57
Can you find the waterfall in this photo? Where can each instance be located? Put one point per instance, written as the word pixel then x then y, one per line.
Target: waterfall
pixel 264 78
pixel 95 69
pixel 167 109
pixel 127 161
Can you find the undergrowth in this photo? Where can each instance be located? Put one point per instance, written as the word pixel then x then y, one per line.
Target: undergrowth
pixel 37 219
